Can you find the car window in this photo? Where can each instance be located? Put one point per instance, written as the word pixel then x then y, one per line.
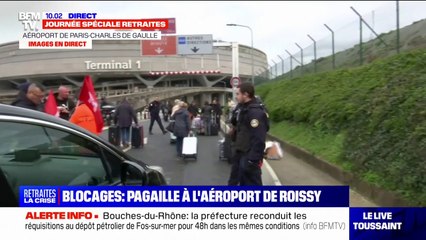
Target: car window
pixel 37 155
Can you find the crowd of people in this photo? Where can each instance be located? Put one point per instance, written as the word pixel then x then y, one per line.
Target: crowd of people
pixel 249 120
pixel 32 96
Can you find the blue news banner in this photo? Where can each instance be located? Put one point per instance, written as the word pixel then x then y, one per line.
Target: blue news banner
pixel 365 223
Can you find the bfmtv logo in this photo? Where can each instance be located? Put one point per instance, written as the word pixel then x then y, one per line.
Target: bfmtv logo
pixel 29 20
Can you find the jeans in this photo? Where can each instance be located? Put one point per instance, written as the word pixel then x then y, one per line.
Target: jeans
pixel 179 145
pixel 207 126
pixel 124 134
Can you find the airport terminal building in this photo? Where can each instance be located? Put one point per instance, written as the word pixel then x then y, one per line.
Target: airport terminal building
pixel 121 66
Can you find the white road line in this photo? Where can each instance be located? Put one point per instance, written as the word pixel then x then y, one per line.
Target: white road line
pixel 271 171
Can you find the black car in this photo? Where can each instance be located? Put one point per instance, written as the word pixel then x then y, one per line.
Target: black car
pixel 40 149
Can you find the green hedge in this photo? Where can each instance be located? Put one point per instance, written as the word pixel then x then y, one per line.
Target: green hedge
pixel 380 108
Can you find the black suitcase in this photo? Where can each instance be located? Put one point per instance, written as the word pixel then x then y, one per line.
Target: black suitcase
pixel 214 129
pixel 114 135
pixel 137 136
pixel 225 148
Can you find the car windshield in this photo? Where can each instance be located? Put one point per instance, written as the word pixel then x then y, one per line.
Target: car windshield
pixel 36 155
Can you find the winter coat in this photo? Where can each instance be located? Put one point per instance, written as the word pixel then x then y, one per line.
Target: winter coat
pixel 125 114
pixel 182 123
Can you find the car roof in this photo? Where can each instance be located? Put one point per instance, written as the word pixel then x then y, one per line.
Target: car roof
pixel 9 110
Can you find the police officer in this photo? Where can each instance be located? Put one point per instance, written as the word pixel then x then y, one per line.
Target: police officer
pixel 251 127
pixel 154 111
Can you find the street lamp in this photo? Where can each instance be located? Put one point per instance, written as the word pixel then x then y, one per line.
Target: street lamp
pixel 251 33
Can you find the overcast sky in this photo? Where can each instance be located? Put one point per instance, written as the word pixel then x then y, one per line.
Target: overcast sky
pixel 276 25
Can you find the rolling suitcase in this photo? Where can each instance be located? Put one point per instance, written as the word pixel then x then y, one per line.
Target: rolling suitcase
pixel 225 148
pixel 198 126
pixel 114 135
pixel 189 148
pixel 214 129
pixel 137 136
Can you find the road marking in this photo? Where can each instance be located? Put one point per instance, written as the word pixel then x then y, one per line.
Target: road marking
pixel 271 171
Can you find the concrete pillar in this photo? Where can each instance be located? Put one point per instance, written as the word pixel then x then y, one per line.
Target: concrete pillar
pixel 190 98
pixel 222 99
pixel 206 97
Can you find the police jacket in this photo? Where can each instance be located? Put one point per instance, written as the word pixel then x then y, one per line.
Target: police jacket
pixel 251 129
pixel 154 108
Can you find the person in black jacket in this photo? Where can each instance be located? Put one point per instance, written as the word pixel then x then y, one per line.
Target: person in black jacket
pixel 23 89
pixel 154 111
pixel 207 118
pixel 217 111
pixel 124 116
pixel 65 105
pixel 193 110
pixel 32 98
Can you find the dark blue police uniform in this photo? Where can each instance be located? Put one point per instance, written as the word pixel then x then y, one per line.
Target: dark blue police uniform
pixel 154 111
pixel 251 129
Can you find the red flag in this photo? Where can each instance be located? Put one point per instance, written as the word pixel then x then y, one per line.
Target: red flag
pixel 88 96
pixel 50 107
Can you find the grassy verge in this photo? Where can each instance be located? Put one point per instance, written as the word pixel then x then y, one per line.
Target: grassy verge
pixel 324 145
pixel 370 120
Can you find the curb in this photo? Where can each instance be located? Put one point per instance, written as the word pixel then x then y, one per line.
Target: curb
pixel 377 195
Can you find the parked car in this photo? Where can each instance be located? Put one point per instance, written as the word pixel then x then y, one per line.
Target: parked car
pixel 40 149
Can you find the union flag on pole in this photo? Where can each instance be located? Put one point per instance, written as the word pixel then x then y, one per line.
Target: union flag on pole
pixel 51 107
pixel 88 96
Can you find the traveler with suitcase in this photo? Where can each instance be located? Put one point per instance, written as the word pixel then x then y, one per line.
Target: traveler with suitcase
pixel 207 117
pixel 182 127
pixel 124 116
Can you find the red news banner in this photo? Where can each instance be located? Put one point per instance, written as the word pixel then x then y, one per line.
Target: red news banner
pixel 142 24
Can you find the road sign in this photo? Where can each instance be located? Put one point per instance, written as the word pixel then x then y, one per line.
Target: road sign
pixel 165 46
pixel 235 82
pixel 195 44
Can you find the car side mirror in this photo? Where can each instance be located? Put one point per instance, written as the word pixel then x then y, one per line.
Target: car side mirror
pixel 155 176
pixel 132 174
